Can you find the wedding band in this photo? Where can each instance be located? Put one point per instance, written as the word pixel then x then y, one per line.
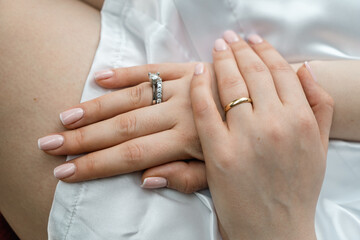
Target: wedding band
pixel 156 83
pixel 237 102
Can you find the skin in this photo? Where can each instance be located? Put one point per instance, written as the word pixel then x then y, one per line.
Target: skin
pixel 139 124
pixel 38 79
pixel 21 127
pixel 270 163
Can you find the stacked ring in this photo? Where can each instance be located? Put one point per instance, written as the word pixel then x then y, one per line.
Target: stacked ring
pixel 156 82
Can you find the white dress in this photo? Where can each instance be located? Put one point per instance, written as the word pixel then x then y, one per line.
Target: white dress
pixel 137 32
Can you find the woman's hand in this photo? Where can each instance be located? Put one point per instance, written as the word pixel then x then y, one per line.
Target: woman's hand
pixel 125 133
pixel 265 164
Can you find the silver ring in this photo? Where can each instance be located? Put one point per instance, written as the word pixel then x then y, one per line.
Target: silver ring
pixel 156 83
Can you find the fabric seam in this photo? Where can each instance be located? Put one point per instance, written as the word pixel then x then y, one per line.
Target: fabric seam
pixel 73 212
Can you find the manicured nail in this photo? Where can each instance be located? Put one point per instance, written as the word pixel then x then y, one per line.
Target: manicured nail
pixel 104 74
pixel 230 36
pixel 307 65
pixel 220 45
pixel 50 142
pixel 71 116
pixel 64 171
pixel 254 39
pixel 199 68
pixel 154 182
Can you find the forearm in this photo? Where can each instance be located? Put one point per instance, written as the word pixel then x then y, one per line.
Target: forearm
pixel 341 80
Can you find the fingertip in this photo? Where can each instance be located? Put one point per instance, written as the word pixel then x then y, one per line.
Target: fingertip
pixel 103 74
pixel 154 182
pixel 108 83
pixel 185 177
pixel 64 171
pixel 309 69
pixel 199 69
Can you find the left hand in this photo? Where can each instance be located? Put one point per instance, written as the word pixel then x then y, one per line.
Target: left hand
pixel 122 132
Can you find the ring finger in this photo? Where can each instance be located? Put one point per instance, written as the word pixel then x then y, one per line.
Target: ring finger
pixel 112 104
pixel 229 80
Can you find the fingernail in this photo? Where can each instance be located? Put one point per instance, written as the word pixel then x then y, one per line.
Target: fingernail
pixel 199 68
pixel 64 171
pixel 307 65
pixel 230 36
pixel 104 74
pixel 50 142
pixel 220 45
pixel 71 116
pixel 154 182
pixel 254 39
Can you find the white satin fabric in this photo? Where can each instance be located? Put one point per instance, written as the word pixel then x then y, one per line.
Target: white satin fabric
pixel 138 32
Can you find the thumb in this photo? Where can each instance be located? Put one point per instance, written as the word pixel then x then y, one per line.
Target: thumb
pixel 185 177
pixel 320 101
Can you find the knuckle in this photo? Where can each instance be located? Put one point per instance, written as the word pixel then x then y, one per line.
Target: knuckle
pixel 305 120
pixel 201 107
pixel 239 46
pixel 133 154
pixel 276 132
pixel 125 125
pixel 280 67
pixel 264 46
pixel 230 82
pixel 254 67
pixel 97 105
pixel 90 163
pixel 79 138
pixel 135 94
pixel 228 160
pixel 189 184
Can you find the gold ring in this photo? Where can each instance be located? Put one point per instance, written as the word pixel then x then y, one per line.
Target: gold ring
pixel 237 102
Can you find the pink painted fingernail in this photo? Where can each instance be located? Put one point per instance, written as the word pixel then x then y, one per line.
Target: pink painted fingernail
pixel 199 68
pixel 220 45
pixel 71 116
pixel 104 74
pixel 254 39
pixel 154 182
pixel 230 36
pixel 64 171
pixel 50 142
pixel 307 65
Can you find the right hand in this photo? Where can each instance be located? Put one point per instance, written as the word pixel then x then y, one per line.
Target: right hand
pixel 265 164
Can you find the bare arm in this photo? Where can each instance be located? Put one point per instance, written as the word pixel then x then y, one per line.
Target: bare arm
pixel 341 80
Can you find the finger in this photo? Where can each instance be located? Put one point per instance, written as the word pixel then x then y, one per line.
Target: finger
pixel 286 82
pixel 208 121
pixel 134 155
pixel 116 130
pixel 185 177
pixel 230 82
pixel 130 76
pixel 256 74
pixel 320 101
pixel 113 104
